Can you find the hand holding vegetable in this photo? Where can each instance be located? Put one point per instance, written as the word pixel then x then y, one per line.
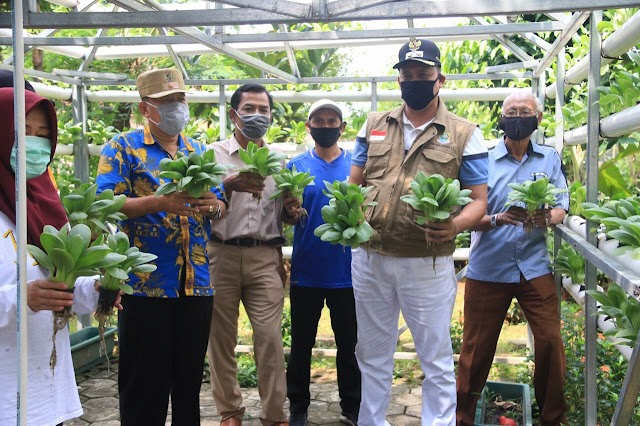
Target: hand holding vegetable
pixel 533 195
pixel 43 295
pixel 194 174
pixel 291 185
pixel 252 183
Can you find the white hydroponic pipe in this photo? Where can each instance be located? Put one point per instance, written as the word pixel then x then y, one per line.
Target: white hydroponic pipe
pixel 604 323
pixel 618 124
pixel 77 52
pixel 451 95
pixel 616 45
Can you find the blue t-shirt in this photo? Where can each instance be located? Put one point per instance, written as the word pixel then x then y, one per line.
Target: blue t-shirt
pixel 316 263
pixel 129 165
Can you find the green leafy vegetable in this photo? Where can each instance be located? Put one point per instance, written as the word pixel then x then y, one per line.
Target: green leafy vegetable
pixel 83 206
pixel 344 215
pixel 533 195
pixel 570 263
pixel 291 183
pixel 623 309
pixel 194 174
pixel 435 197
pixel 261 160
pixel 628 234
pixel 132 261
pixel 69 253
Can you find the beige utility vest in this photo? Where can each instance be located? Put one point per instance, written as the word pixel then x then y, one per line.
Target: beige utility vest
pixel 438 149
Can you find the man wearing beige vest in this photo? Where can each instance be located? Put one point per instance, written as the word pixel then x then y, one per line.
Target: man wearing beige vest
pixel 406 267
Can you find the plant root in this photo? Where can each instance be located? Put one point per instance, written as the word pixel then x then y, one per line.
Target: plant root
pixel 60 321
pixel 103 315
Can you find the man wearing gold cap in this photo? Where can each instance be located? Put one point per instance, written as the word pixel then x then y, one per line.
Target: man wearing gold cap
pixel 163 334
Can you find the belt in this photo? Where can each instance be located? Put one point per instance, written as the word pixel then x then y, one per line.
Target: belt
pixel 249 242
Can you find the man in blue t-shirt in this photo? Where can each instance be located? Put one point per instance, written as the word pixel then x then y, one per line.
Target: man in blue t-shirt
pixel 321 271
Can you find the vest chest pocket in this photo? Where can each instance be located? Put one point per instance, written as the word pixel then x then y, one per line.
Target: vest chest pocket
pixel 377 160
pixel 435 161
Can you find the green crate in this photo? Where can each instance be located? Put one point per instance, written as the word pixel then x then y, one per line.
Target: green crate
pixel 509 391
pixel 85 347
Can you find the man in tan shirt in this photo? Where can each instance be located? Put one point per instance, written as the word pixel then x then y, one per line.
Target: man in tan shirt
pixel 245 261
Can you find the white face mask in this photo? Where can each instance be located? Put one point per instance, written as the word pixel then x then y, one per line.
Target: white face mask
pixel 173 117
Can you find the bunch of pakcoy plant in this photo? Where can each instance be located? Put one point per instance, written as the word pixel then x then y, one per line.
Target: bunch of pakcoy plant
pixel 291 183
pixel 194 174
pixel 570 263
pixel 623 309
pixel 115 275
pixel 613 214
pixel 533 195
pixel 578 195
pixel 260 161
pixel 344 215
pixel 435 197
pixel 629 236
pixel 68 254
pixel 83 206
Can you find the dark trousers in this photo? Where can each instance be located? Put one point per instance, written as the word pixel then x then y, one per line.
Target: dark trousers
pixel 162 348
pixel 306 308
pixel 485 307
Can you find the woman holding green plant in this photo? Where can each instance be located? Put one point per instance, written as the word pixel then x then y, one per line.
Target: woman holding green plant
pixel 53 398
pixel 508 258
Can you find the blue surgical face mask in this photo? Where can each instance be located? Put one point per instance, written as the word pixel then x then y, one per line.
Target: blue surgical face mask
pixel 38 156
pixel 173 117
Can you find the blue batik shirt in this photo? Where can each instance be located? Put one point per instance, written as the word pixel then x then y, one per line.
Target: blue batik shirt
pixel 129 165
pixel 504 252
pixel 316 263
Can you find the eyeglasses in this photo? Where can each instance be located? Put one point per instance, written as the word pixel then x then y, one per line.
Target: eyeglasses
pixel 520 113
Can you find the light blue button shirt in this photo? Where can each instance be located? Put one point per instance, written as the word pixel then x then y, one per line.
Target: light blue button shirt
pixel 503 253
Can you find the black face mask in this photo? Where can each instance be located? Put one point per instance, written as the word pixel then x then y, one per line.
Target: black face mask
pixel 519 128
pixel 326 137
pixel 418 94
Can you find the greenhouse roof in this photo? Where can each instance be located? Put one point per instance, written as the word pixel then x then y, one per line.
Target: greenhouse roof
pixel 238 27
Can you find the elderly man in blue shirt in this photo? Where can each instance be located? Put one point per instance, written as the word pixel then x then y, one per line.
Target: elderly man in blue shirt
pixel 508 261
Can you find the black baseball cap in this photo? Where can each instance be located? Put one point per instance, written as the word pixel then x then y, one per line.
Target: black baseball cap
pixel 420 50
pixel 6 80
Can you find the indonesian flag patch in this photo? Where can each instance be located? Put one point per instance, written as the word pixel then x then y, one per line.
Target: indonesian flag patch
pixel 377 135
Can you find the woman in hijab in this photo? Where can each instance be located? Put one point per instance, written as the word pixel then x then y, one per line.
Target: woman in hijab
pixel 52 394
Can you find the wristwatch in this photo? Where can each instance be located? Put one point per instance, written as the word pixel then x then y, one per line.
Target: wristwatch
pixel 218 213
pixel 494 220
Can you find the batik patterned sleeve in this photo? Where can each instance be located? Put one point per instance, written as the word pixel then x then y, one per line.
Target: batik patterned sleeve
pixel 113 169
pixel 475 161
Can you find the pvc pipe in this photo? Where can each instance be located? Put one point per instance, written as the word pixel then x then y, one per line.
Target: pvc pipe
pixel 52 92
pixel 66 3
pixel 451 95
pixel 77 52
pixel 604 324
pixel 615 125
pixel 19 108
pixel 617 44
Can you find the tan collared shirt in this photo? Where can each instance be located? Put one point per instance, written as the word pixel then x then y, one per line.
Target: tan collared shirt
pixel 247 217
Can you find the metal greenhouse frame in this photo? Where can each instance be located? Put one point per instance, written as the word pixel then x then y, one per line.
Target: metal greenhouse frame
pixel 200 28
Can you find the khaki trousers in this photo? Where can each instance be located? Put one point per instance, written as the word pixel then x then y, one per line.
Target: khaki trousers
pixel 485 307
pixel 248 275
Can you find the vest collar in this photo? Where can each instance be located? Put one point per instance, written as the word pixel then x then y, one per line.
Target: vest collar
pixel 439 120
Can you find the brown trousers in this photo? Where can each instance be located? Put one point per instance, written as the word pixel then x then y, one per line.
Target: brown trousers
pixel 248 275
pixel 485 307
